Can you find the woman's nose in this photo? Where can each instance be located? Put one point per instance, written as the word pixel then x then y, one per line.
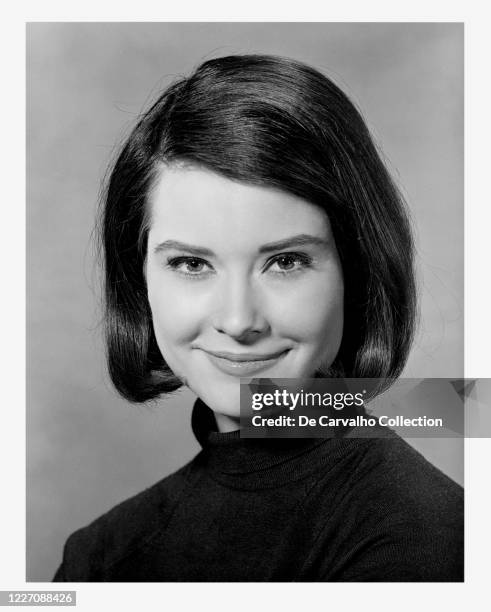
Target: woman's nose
pixel 239 312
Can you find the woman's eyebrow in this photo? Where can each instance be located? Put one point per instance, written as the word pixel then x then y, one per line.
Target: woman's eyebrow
pixel 285 243
pixel 294 241
pixel 182 246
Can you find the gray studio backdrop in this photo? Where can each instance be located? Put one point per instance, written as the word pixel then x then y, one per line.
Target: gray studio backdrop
pixel 86 83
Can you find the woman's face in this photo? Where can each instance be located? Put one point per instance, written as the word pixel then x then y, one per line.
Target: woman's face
pixel 243 281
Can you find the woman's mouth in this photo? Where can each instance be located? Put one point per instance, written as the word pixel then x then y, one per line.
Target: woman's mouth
pixel 244 364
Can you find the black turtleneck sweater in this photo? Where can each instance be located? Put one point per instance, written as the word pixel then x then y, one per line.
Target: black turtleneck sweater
pixel 349 509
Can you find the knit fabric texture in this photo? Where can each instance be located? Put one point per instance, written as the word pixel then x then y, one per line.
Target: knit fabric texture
pixel 248 510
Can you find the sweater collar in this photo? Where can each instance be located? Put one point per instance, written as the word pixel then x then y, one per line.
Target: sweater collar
pixel 256 463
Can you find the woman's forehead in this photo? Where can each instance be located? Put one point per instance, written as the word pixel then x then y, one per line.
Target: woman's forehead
pixel 190 204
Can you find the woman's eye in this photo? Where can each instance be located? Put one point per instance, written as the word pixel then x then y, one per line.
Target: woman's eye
pixel 191 266
pixel 289 262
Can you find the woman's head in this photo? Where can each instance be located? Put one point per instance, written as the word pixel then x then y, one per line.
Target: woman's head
pixel 247 151
pixel 242 280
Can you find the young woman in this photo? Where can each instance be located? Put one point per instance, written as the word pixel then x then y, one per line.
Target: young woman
pixel 250 229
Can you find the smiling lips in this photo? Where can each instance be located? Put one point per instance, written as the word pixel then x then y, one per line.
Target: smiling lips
pixel 243 364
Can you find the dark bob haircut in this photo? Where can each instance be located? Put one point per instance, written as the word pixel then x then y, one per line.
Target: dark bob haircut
pixel 274 122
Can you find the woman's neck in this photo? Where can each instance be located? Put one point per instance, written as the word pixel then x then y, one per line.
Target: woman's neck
pixel 226 423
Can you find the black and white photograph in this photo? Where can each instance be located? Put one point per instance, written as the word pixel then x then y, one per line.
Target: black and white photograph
pixel 213 202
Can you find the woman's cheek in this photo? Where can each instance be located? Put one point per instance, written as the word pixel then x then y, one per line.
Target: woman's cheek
pixel 177 321
pixel 313 311
pixel 175 307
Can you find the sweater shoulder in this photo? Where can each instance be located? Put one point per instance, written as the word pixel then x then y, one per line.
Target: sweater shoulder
pixel 401 469
pixel 129 525
pixel 398 517
pixel 410 517
pixel 386 479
